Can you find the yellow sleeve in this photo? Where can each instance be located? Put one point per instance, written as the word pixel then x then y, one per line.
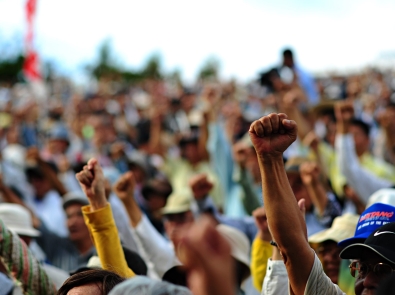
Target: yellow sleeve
pixel 261 251
pixel 104 232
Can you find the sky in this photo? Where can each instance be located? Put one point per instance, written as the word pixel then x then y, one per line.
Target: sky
pixel 246 36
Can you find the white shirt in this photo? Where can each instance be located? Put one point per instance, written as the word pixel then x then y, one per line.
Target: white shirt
pixel 50 211
pixel 276 279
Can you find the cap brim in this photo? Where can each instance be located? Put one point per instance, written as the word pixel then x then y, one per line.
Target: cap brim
pixel 75 201
pixel 175 210
pixel 355 251
pixel 354 240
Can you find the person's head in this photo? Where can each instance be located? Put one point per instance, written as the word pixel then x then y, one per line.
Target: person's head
pixel 372 260
pixel 58 141
pixel 72 204
pixel 39 182
pixel 139 285
pixel 18 219
pixel 90 282
pixel 288 58
pixel 299 189
pixel 325 243
pixel 177 215
pixel 155 193
pixel 360 131
pixel 189 148
pixel 240 249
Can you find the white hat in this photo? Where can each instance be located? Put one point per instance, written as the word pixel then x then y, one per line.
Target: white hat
pixel 18 219
pixel 385 196
pixel 343 227
pixel 239 244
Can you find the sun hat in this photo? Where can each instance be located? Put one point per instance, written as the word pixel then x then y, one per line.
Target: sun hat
pixel 178 202
pixel 373 217
pixel 381 241
pixel 239 244
pixel 18 219
pixel 343 227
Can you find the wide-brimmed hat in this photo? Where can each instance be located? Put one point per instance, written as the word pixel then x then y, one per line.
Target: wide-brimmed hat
pixel 178 202
pixel 239 244
pixel 343 227
pixel 384 196
pixel 18 219
pixel 372 218
pixel 381 241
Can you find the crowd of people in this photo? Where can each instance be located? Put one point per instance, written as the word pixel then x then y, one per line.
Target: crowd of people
pixel 282 186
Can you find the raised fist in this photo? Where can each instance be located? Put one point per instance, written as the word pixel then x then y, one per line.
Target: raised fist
pixel 309 172
pixel 91 180
pixel 124 187
pixel 259 215
pixel 200 185
pixel 271 135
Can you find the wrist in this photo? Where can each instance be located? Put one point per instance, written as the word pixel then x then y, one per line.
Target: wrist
pixel 97 204
pixel 271 158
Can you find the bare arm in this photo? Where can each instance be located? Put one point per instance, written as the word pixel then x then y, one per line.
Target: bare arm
pixel 271 136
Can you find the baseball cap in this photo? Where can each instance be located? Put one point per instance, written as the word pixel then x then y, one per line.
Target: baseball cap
pixel 385 196
pixel 343 227
pixel 18 219
pixel 381 241
pixel 74 197
pixel 178 202
pixel 373 217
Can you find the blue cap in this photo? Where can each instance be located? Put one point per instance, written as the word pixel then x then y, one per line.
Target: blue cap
pixel 371 219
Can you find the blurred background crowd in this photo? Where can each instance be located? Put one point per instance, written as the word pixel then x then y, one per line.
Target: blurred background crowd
pixel 173 151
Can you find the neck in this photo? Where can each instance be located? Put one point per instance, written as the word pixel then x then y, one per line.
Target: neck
pixel 84 245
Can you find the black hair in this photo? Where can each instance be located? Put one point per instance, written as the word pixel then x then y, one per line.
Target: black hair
pixel 288 52
pixel 104 279
pixel 361 124
pixel 160 187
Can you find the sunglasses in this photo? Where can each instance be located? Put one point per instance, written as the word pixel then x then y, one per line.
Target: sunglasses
pixel 361 269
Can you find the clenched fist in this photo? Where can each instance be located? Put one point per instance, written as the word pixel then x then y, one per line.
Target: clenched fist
pixel 124 187
pixel 271 135
pixel 91 180
pixel 309 173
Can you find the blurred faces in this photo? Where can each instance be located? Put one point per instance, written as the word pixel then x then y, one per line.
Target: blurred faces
pixel 329 252
pixel 78 231
pixel 361 140
pixel 58 146
pixel 299 189
pixel 176 225
pixel 41 186
pixel 190 152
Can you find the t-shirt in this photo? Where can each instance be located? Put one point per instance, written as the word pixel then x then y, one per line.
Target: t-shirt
pixel 318 282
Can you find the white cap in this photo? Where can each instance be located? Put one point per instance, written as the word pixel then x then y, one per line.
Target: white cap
pixel 385 196
pixel 18 219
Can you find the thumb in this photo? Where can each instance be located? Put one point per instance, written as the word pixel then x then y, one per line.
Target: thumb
pixel 302 206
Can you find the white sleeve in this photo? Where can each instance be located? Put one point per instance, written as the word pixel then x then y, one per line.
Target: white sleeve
pixel 158 249
pixel 276 279
pixel 319 284
pixel 121 218
pixel 361 180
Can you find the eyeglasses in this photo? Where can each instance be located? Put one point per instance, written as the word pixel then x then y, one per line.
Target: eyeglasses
pixel 360 269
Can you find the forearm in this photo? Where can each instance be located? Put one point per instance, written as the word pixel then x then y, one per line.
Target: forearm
pixel 134 213
pixel 318 196
pixel 282 211
pixel 103 229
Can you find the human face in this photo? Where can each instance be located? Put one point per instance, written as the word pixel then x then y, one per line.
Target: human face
pixel 176 225
pixel 361 140
pixel 78 231
pixel 299 189
pixel 367 284
pixel 90 289
pixel 328 252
